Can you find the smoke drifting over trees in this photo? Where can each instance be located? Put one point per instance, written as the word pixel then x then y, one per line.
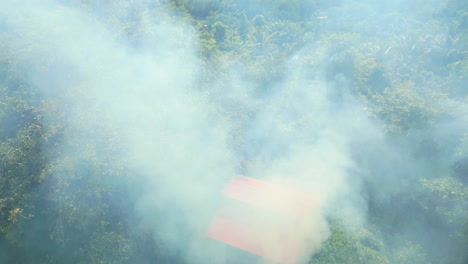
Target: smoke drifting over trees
pixel 121 122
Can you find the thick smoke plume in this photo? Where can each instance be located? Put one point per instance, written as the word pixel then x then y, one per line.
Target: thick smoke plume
pixel 299 135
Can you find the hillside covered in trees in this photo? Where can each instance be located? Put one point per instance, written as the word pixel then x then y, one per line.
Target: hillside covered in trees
pixel 121 121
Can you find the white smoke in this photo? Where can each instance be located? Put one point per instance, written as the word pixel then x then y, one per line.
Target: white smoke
pixel 182 143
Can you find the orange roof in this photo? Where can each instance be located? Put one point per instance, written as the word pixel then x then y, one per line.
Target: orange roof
pixel 263 218
pixel 270 196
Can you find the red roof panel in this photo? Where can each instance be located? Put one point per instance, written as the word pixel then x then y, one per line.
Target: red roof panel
pixel 264 219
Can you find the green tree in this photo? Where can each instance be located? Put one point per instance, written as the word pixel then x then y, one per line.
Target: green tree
pixel 350 245
pixel 220 30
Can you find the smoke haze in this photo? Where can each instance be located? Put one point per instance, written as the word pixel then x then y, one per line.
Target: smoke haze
pixel 130 85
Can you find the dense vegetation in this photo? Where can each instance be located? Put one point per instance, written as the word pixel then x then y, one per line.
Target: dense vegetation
pixel 67 197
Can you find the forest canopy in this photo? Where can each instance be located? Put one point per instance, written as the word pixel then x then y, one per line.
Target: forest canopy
pixel 121 121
